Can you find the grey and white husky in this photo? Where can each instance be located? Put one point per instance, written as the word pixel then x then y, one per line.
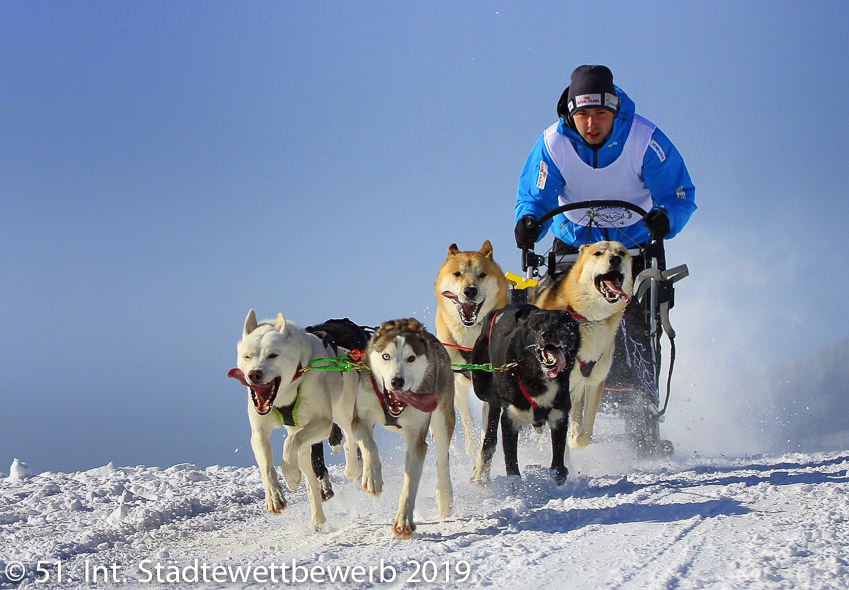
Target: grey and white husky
pixel 407 388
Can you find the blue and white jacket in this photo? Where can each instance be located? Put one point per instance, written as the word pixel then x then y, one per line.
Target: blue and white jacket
pixel 542 186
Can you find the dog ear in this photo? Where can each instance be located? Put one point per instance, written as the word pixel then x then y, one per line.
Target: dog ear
pixel 281 323
pixel 453 250
pixel 486 249
pixel 583 247
pixel 413 325
pixel 250 323
pixel 383 329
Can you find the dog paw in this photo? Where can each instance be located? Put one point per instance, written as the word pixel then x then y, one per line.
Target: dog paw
pixel 320 525
pixel 352 470
pixel 326 489
pixel 445 502
pixel 352 465
pixel 403 527
pixel 373 481
pixel 559 476
pixel 292 475
pixel 581 441
pixel 275 503
pixel 480 475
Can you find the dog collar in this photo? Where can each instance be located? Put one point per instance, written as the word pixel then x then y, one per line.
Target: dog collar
pixel 575 314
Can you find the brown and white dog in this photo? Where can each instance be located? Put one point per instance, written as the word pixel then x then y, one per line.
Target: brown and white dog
pixel 468 286
pixel 407 388
pixel 595 291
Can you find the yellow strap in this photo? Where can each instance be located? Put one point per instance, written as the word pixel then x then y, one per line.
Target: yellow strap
pixel 519 282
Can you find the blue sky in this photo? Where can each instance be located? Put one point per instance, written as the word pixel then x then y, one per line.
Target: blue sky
pixel 166 166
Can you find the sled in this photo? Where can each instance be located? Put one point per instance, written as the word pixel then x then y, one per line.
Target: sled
pixel 637 400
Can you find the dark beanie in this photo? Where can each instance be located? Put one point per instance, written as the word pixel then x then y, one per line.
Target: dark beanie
pixel 592 87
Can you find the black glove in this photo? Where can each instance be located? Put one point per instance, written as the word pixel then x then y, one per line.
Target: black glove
pixel 527 232
pixel 657 223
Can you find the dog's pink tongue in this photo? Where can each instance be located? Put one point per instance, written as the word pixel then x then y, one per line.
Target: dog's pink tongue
pixel 424 402
pixel 263 392
pixel 559 362
pixel 238 376
pixel 616 288
pixel 451 296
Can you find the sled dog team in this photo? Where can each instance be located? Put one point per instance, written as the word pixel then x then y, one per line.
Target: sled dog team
pixel 544 364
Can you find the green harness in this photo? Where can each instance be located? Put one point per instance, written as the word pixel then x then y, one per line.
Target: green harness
pixel 288 415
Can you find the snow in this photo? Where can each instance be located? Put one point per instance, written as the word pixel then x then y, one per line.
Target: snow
pixel 619 522
pixel 19 469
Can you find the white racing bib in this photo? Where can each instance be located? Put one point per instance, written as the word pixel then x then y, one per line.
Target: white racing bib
pixel 620 181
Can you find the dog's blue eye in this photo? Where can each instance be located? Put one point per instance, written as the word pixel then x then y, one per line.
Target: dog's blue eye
pixel 386 357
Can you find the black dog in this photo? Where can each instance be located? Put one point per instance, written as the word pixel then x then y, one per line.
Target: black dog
pixel 532 352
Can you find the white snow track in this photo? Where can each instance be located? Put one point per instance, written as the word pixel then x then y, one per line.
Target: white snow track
pixel 756 522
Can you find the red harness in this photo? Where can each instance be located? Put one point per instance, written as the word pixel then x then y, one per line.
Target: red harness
pixel 299 373
pixel 586 366
pixel 534 405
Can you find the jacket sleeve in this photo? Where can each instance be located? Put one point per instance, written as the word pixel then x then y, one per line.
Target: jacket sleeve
pixel 538 191
pixel 666 176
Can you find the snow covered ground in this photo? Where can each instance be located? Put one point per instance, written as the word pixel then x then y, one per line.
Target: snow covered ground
pixel 619 522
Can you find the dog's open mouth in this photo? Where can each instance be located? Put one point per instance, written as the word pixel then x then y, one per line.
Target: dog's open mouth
pixel 610 287
pixel 553 360
pixel 396 401
pixel 468 310
pixel 262 394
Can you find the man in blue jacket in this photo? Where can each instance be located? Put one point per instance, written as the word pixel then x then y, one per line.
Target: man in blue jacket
pixel 600 149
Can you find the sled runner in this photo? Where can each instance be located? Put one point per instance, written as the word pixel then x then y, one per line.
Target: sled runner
pixel 633 384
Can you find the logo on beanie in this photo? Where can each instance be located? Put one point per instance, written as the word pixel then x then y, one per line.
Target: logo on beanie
pixel 587 100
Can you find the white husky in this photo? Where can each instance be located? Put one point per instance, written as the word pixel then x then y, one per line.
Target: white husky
pixel 409 387
pixel 273 358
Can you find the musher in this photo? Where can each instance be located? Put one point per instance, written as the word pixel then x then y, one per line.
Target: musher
pixel 600 149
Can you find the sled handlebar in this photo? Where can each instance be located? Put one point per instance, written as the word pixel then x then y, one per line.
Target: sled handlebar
pixel 531 261
pixel 592 205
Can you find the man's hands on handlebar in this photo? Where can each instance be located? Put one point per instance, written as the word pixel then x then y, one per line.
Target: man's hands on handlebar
pixel 527 232
pixel 657 223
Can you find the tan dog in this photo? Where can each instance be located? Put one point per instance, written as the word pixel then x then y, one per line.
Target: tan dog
pixel 595 290
pixel 468 286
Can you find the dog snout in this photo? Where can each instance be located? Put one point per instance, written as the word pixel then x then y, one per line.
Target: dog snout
pixel 255 376
pixel 397 383
pixel 470 292
pixel 615 261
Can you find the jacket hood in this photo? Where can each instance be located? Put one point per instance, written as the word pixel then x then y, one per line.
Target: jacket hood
pixel 621 125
